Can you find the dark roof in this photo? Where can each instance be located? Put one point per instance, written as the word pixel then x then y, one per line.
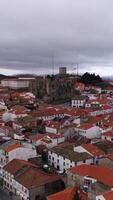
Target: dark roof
pixel 70 154
pixel 33 177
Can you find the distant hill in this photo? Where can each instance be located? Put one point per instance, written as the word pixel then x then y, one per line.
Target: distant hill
pixel 2 76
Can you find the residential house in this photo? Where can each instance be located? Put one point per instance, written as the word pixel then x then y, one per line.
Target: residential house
pixel 16 150
pixel 27 181
pixel 94 151
pixel 89 130
pixel 62 157
pixel 94 179
pixel 78 101
pixel 49 140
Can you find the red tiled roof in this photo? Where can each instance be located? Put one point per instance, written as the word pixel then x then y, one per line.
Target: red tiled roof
pixel 45 136
pixel 110 157
pixel 17 109
pixel 93 149
pixel 85 126
pixel 54 124
pixel 67 194
pixel 16 164
pixel 109 134
pixel 33 177
pixel 102 174
pixel 108 195
pixel 12 147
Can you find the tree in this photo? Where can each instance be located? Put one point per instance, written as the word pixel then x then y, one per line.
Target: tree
pixel 88 78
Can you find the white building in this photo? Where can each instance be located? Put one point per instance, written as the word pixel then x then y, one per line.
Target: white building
pixel 16 150
pixel 49 140
pixel 89 131
pixel 15 83
pixel 78 101
pixel 26 181
pixel 64 158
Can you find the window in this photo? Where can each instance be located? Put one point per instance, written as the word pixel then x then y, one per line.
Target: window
pixel 25 190
pixel 84 161
pixel 52 158
pixel 64 163
pixel 87 183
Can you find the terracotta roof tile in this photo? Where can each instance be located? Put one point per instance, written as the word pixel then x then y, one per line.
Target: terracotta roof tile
pixel 102 174
pixel 108 195
pixel 93 149
pixel 67 194
pixel 12 147
pixel 33 177
pixel 109 134
pixel 15 165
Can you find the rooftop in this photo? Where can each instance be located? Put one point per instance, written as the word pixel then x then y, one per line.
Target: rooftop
pixel 34 177
pixel 70 154
pixel 67 194
pixel 15 165
pixel 108 195
pixel 95 151
pixel 11 147
pixel 101 174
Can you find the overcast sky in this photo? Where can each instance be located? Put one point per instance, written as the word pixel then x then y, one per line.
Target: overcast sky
pixel 32 32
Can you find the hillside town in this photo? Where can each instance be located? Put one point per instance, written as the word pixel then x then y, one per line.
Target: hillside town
pixel 56 137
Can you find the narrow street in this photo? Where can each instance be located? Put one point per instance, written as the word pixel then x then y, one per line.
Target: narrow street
pixel 5 196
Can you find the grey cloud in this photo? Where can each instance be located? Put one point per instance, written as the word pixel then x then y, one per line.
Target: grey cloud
pixel 74 31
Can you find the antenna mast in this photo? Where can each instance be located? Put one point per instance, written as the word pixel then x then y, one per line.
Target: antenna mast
pixel 53 64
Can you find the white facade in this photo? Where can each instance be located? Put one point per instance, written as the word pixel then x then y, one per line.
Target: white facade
pixel 93 132
pixel 12 185
pixel 19 153
pixel 61 163
pixel 51 130
pixel 15 84
pixel 101 112
pixel 49 142
pixel 100 197
pixel 8 116
pixel 50 117
pixel 78 103
pixel 19 137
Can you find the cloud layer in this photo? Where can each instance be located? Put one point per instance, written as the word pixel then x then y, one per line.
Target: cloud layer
pixel 32 32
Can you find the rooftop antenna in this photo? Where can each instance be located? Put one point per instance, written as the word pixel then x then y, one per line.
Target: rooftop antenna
pixel 53 64
pixel 77 69
pixel 74 69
